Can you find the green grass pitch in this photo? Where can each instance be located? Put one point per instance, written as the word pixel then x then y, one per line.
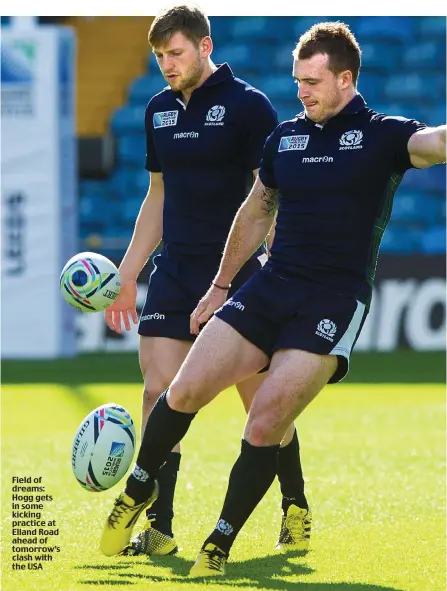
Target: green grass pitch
pixel 374 462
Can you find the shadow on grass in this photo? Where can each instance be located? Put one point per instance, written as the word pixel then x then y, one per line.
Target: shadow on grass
pixel 271 572
pixel 107 582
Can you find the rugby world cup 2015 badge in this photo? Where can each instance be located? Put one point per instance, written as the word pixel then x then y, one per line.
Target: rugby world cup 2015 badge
pixel 165 119
pixel 293 142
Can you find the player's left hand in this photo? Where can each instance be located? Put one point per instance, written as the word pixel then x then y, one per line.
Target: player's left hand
pixel 211 301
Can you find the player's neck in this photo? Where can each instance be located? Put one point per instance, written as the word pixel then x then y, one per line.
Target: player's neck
pixel 347 99
pixel 209 69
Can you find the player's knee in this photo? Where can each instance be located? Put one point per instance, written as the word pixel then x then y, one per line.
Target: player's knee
pixel 259 432
pixel 150 397
pixel 184 396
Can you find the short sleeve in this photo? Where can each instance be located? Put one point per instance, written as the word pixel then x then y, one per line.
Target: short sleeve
pixel 266 173
pixel 152 163
pixel 400 130
pixel 260 119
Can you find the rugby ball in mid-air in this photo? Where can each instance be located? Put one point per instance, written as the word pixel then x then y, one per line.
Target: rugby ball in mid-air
pixel 103 447
pixel 90 282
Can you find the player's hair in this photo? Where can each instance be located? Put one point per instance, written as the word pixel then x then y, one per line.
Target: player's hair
pixel 187 18
pixel 337 41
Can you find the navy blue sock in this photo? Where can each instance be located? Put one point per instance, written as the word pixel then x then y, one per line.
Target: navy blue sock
pixel 164 429
pixel 290 475
pixel 250 478
pixel 162 511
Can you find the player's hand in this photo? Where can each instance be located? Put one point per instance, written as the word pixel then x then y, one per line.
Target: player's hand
pixel 124 306
pixel 211 301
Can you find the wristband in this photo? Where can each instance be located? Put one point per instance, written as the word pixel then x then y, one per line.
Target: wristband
pixel 220 287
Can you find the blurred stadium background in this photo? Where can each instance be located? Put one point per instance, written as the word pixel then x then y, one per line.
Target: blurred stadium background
pixel 403 73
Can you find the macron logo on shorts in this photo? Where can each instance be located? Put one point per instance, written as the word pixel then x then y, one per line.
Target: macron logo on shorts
pixel 155 316
pixel 236 305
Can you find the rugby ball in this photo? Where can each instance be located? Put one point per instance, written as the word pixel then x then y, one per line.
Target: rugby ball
pixel 90 282
pixel 103 447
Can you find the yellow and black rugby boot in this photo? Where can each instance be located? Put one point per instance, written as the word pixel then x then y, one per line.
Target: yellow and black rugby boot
pixel 152 542
pixel 295 529
pixel 210 562
pixel 121 521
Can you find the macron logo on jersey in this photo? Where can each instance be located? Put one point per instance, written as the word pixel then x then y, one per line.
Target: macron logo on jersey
pixel 293 142
pixel 165 119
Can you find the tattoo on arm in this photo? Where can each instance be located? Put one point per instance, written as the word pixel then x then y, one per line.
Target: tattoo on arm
pixel 270 201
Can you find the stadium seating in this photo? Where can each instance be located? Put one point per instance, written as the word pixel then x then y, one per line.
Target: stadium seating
pixel 429 55
pixel 435 115
pixel 403 73
pixel 433 241
pixel 144 87
pixel 426 180
pixel 131 149
pixel 427 87
pixel 250 28
pixel 395 29
pixel 373 56
pixel 128 119
pixel 279 86
pixel 417 209
pixel 431 27
pixel 371 87
pixel 401 240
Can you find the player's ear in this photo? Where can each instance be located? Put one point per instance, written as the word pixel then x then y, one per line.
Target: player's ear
pixel 345 79
pixel 206 47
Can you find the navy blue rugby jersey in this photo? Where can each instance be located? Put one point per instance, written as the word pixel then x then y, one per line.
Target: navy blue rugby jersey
pixel 206 151
pixel 336 185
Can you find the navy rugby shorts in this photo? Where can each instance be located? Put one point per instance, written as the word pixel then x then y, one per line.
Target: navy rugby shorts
pixel 274 312
pixel 175 287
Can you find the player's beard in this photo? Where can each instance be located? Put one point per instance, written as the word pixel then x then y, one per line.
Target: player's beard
pixel 192 76
pixel 327 108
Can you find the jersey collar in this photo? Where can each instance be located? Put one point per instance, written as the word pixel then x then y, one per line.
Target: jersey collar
pixel 354 106
pixel 222 73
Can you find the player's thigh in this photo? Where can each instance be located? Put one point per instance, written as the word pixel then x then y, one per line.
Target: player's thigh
pixel 294 379
pixel 160 360
pixel 220 358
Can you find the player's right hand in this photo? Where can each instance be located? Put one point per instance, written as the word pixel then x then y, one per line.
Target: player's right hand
pixel 211 301
pixel 124 306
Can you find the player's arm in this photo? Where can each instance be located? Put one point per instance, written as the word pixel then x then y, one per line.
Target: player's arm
pixel 271 234
pixel 249 229
pixel 147 232
pixel 426 147
pixel 146 236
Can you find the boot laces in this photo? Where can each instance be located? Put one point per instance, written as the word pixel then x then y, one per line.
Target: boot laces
pixel 119 510
pixel 215 558
pixel 296 526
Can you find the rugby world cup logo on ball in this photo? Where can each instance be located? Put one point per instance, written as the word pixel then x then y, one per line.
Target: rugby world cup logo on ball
pixel 90 282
